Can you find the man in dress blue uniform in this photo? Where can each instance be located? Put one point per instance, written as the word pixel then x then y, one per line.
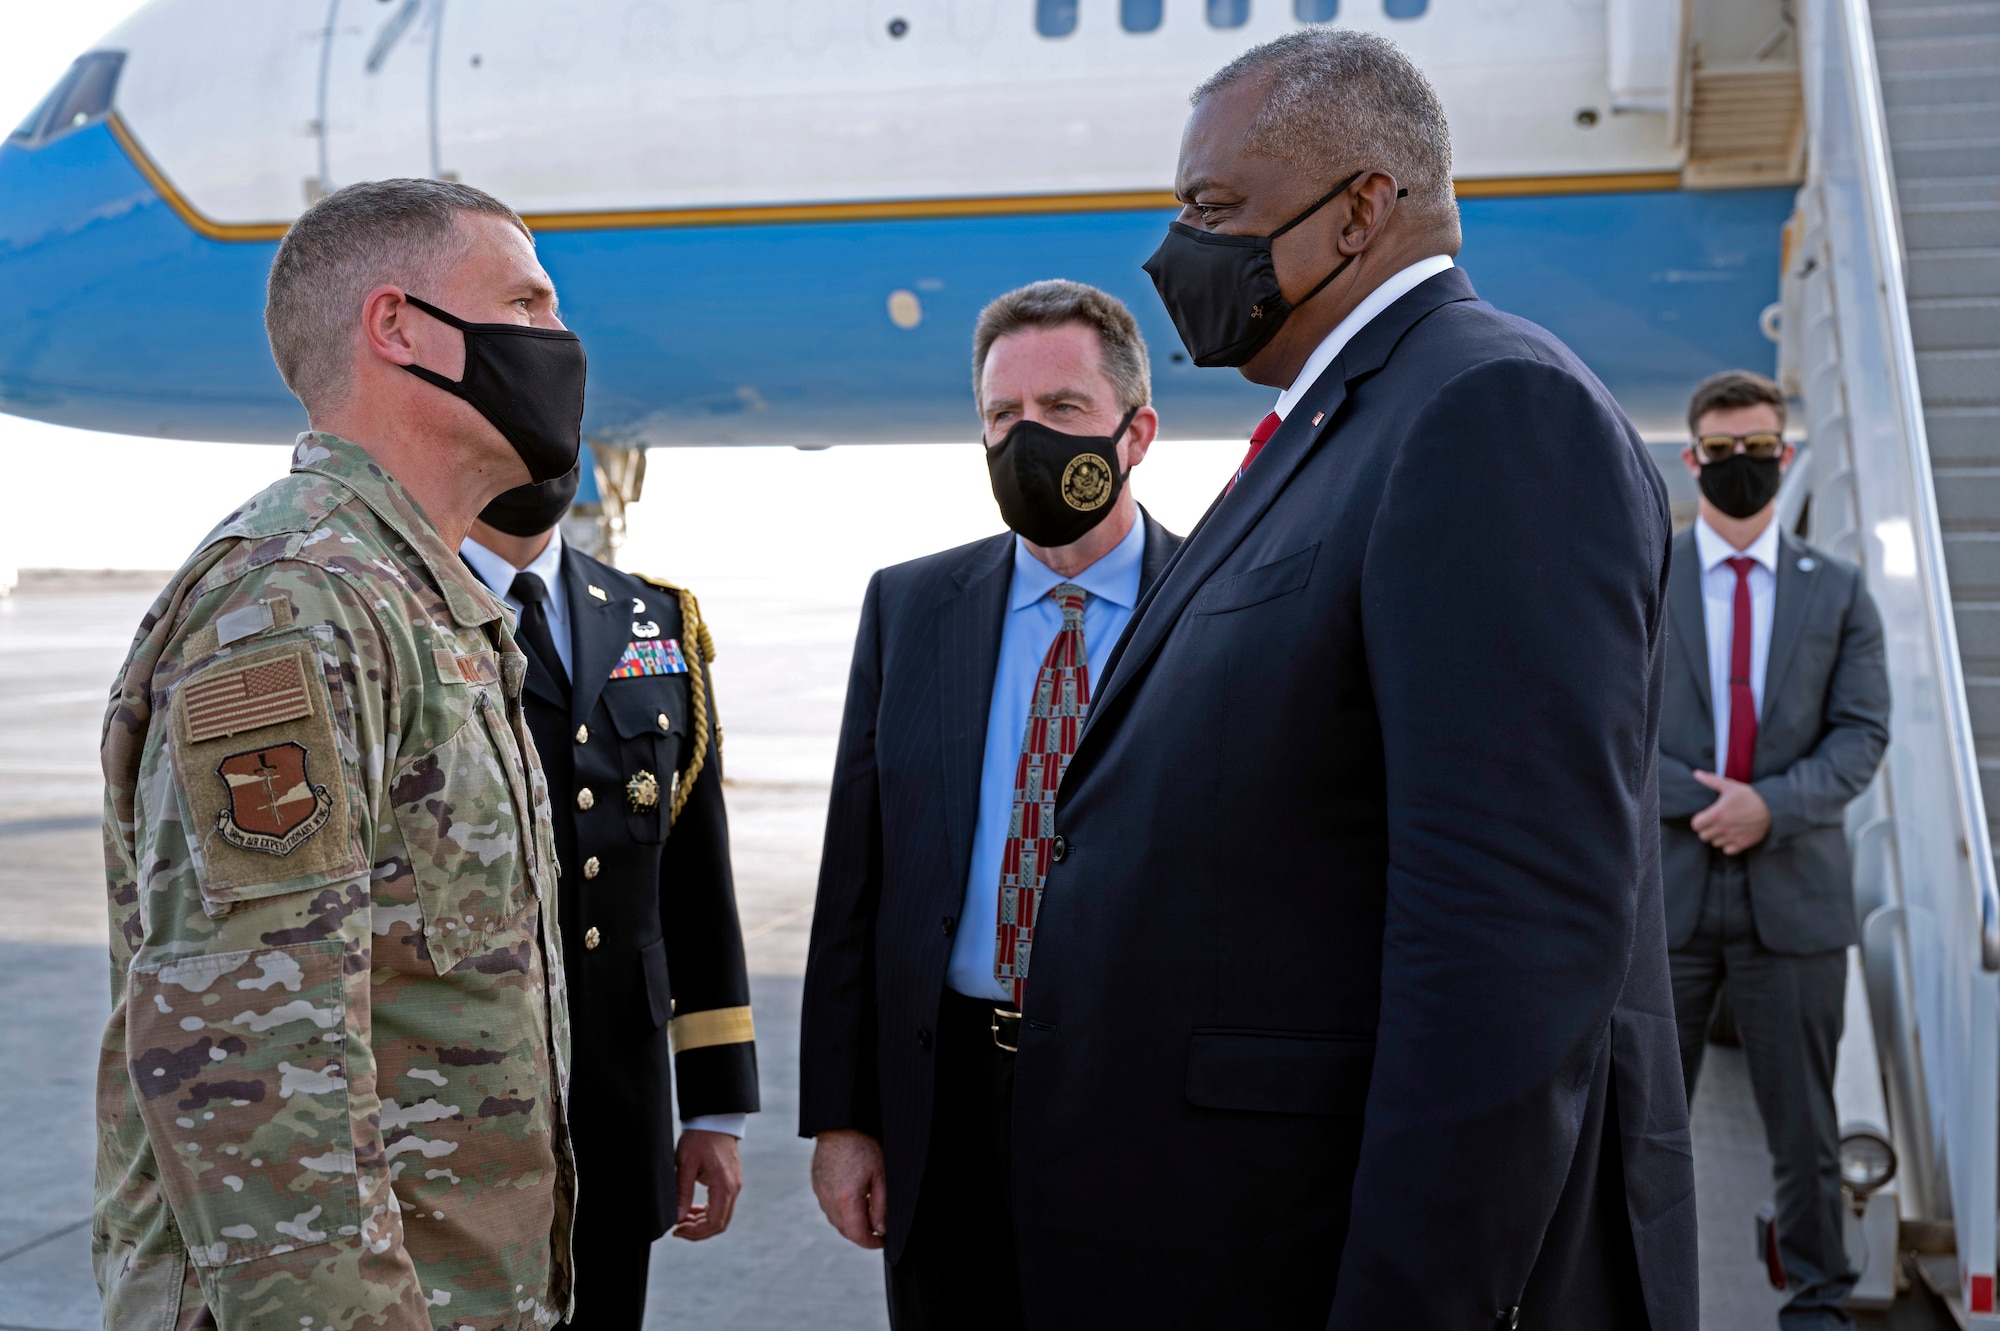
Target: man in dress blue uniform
pixel 970 685
pixel 622 709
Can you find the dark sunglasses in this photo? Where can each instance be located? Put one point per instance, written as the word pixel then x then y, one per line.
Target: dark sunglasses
pixel 1716 447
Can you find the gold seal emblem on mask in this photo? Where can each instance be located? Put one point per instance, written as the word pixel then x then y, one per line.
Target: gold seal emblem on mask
pixel 1086 482
pixel 642 792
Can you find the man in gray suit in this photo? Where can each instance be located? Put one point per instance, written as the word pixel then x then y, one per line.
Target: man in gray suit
pixel 1775 716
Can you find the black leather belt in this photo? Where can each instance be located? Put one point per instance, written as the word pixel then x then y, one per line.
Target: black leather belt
pixel 1007 1029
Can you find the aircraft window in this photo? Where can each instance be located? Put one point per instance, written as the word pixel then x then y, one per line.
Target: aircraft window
pixel 1316 11
pixel 83 94
pixel 1055 18
pixel 1140 15
pixel 1228 13
pixel 1405 8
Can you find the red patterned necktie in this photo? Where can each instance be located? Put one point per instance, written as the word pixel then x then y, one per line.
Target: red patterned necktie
pixel 1055 718
pixel 1742 700
pixel 1258 438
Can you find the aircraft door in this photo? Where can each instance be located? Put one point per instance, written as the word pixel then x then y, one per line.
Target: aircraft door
pixel 378 90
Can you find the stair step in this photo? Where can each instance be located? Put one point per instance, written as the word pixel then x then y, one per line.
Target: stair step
pixel 1963 436
pixel 1938 55
pixel 1968 500
pixel 1945 157
pixel 1972 564
pixel 1982 696
pixel 1914 190
pixel 1955 323
pixel 1978 638
pixel 1959 378
pixel 1961 120
pixel 1935 20
pixel 1974 272
pixel 1952 226
pixel 1930 88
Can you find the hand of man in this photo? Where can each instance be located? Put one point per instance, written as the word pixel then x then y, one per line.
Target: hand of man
pixel 852 1186
pixel 710 1159
pixel 1738 819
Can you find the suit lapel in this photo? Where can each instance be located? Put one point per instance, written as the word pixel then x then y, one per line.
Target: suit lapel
pixel 1233 516
pixel 968 641
pixel 1686 618
pixel 1795 587
pixel 597 631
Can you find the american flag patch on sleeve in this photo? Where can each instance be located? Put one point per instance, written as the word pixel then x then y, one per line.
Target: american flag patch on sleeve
pixel 260 693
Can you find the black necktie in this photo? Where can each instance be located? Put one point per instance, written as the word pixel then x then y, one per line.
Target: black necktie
pixel 530 591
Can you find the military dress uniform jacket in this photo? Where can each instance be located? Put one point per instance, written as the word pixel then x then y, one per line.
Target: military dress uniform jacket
pixel 330 1091
pixel 653 946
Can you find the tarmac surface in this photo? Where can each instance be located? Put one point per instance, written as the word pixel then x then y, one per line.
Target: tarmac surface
pixel 780 682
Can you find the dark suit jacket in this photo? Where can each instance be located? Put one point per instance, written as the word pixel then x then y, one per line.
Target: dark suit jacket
pixel 1350 1003
pixel 1824 726
pixel 899 844
pixel 665 987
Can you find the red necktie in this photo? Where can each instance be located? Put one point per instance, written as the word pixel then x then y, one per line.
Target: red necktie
pixel 1265 429
pixel 1742 701
pixel 1055 719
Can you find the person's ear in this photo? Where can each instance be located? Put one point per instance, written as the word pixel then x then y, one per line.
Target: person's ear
pixel 1687 456
pixel 1372 200
pixel 1785 458
pixel 1139 437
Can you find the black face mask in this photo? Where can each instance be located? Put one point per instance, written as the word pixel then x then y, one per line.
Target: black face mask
pixel 528 382
pixel 1222 291
pixel 1740 485
pixel 1054 487
pixel 530 510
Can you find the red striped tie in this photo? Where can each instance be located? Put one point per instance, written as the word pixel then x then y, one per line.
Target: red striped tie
pixel 1265 429
pixel 1742 700
pixel 1055 719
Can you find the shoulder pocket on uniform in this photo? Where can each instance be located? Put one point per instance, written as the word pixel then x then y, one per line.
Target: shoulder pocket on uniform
pixel 261 779
pixel 461 826
pixel 238 1064
pixel 1266 582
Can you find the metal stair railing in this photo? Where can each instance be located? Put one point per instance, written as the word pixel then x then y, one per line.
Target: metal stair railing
pixel 1927 876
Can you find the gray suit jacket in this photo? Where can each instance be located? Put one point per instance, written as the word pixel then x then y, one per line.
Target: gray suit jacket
pixel 1824 725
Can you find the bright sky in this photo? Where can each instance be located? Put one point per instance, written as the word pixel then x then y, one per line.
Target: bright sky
pixel 73 499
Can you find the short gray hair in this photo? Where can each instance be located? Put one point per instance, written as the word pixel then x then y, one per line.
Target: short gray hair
pixel 1340 101
pixel 1056 303
pixel 403 232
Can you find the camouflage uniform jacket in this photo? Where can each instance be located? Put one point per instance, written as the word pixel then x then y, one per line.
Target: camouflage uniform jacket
pixel 331 1089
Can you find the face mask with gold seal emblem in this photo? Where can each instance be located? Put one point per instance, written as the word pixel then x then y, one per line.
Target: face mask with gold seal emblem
pixel 1054 487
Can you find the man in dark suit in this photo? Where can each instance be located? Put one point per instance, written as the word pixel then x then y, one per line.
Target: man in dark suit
pixel 622 708
pixel 970 684
pixel 1775 715
pixel 1350 1004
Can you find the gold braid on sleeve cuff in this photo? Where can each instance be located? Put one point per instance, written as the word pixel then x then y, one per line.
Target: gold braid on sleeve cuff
pixel 722 1025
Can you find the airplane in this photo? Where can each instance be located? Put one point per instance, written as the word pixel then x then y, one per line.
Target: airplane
pixel 775 221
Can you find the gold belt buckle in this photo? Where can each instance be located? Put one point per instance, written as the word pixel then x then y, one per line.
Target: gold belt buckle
pixel 1001 1015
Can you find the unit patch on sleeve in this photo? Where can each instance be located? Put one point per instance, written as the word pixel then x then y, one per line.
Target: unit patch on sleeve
pixel 264 793
pixel 653 656
pixel 273 804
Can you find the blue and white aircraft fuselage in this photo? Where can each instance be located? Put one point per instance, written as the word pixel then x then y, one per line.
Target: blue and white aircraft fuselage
pixel 774 221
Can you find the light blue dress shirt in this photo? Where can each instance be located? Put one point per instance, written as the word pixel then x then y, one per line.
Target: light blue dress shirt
pixel 1033 620
pixel 497 573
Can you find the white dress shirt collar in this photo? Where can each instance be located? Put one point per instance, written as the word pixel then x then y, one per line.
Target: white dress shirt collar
pixel 1713 550
pixel 1114 578
pixel 1376 301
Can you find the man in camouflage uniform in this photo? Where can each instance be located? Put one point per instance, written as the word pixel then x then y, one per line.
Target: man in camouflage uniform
pixel 331 1089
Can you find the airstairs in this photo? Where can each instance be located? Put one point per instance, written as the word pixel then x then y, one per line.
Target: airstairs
pixel 1891 339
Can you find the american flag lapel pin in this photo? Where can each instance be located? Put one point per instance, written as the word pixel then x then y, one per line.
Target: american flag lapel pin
pixel 1318 416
